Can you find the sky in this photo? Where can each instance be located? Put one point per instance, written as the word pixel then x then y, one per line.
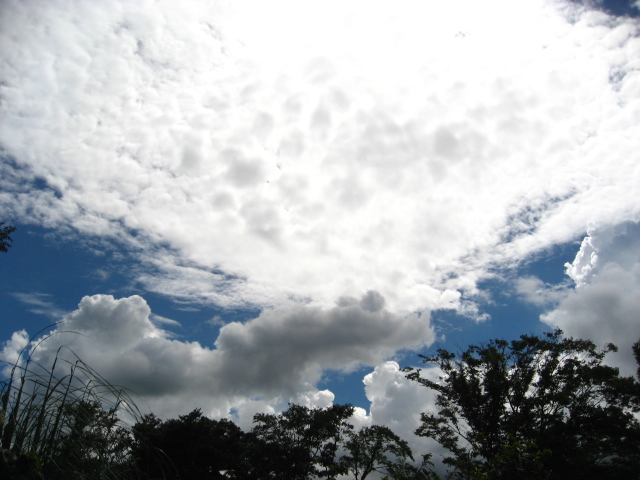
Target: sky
pixel 236 205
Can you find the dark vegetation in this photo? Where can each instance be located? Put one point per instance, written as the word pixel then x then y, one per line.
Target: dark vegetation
pixel 62 423
pixel 5 236
pixel 541 408
pixel 534 408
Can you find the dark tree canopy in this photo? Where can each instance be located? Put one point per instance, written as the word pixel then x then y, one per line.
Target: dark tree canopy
pixel 375 449
pixel 301 443
pixel 95 444
pixel 191 446
pixel 5 236
pixel 534 408
pixel 298 444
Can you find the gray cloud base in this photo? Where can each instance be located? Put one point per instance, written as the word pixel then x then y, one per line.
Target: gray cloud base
pixel 281 353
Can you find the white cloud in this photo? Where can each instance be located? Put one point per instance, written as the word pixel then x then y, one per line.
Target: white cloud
pixel 12 351
pixel 276 357
pixel 605 304
pixel 282 151
pixel 535 291
pixel 397 403
pixel 160 320
pixel 290 346
pixel 40 304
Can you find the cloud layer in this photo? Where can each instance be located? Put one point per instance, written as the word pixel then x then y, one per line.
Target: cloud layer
pixel 253 153
pixel 276 357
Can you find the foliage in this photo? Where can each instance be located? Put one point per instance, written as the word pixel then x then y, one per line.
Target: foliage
pixel 375 449
pixel 192 446
pixel 95 442
pixel 5 238
pixel 63 421
pixel 544 407
pixel 301 442
pixel 26 466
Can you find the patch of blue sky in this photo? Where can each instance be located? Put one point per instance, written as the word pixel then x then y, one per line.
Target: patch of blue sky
pixel 198 323
pixel 347 387
pixel 43 266
pixel 509 315
pixel 618 7
pixel 45 275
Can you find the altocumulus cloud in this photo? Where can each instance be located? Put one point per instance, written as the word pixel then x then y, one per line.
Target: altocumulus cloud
pixel 286 151
pixel 278 355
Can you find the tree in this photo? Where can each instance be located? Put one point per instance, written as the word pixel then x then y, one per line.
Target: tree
pixel 534 408
pixel 191 446
pixel 5 238
pixel 95 445
pixel 301 442
pixel 374 449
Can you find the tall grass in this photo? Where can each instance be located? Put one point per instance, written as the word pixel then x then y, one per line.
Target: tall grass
pixel 63 420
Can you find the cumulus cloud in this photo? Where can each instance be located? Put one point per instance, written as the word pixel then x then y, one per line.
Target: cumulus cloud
pixel 284 346
pixel 604 306
pixel 275 357
pixel 397 403
pixel 12 351
pixel 341 147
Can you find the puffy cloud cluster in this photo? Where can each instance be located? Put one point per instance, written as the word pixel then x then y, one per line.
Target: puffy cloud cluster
pixel 276 357
pixel 397 403
pixel 280 151
pixel 287 346
pixel 605 304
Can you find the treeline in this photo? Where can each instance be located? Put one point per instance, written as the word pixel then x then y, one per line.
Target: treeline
pixel 300 443
pixel 540 407
pixel 58 428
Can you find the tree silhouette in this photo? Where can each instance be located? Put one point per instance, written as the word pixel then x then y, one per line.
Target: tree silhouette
pixel 191 446
pixel 374 449
pixel 302 442
pixel 534 408
pixel 5 236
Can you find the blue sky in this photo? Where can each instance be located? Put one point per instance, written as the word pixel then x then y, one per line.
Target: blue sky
pixel 240 205
pixel 617 7
pixel 45 274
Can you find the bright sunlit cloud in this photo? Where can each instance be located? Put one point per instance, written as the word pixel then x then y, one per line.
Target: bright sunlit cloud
pixel 284 150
